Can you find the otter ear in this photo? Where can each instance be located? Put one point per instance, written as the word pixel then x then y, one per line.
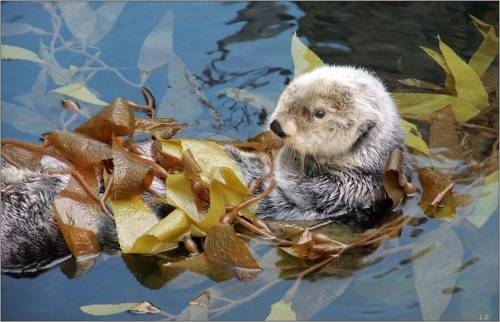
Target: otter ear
pixel 366 127
pixel 363 130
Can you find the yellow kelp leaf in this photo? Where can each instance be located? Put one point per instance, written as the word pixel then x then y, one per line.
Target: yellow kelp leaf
pixel 80 92
pixel 487 203
pixel 18 53
pixel 482 26
pixel 422 104
pixel 217 207
pixel 164 235
pixel 438 58
pixel 133 219
pixel 233 198
pixel 413 138
pixel 233 181
pixel 180 195
pixel 468 85
pixel 210 155
pixel 172 148
pixel 486 53
pixel 304 59
pixel 197 232
pixel 449 82
pixel 282 311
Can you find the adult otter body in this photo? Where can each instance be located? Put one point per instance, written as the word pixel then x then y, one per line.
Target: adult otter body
pixel 338 124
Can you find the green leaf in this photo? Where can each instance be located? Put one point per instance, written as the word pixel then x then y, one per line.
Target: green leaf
pixel 282 311
pixel 436 258
pixel 304 59
pixel 468 85
pixel 15 28
pixel 157 47
pixel 482 26
pixel 486 53
pixel 18 53
pixel 25 119
pixel 487 203
pixel 79 18
pixel 80 92
pixel 110 309
pixel 106 16
pixel 438 58
pixel 449 82
pixel 413 138
pixel 422 104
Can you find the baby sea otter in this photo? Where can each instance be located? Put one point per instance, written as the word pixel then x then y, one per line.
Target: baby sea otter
pixel 338 124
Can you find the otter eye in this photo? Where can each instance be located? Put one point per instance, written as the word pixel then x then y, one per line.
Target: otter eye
pixel 319 114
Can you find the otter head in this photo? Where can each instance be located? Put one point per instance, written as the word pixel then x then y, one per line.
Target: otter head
pixel 327 111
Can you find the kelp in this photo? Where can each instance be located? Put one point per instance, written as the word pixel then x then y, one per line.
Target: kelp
pixel 212 230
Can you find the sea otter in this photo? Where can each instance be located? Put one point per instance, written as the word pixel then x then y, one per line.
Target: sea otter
pixel 338 124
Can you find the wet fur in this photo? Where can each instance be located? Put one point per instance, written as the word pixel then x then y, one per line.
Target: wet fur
pixel 328 168
pixel 30 237
pixel 331 167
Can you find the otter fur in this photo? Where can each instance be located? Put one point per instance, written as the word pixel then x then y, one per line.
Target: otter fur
pixel 338 124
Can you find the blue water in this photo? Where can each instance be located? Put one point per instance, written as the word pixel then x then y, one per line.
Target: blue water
pixel 247 45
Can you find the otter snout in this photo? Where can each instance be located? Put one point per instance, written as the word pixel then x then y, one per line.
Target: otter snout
pixel 277 129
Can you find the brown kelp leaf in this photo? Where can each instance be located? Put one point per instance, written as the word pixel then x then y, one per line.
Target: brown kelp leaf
pixel 70 105
pixel 435 186
pixel 77 267
pixel 130 177
pixel 268 141
pixel 161 128
pixel 304 247
pixel 197 264
pixel 168 155
pixel 78 148
pixel 443 133
pixel 394 178
pixel 192 171
pixel 445 210
pixel 224 247
pixel 115 119
pixel 22 157
pixel 80 241
pixel 76 212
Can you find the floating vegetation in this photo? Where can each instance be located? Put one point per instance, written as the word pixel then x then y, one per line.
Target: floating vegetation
pixel 212 230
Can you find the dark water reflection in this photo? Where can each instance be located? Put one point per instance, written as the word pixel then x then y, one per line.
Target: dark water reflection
pixel 247 46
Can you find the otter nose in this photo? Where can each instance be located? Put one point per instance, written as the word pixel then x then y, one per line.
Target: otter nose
pixel 276 128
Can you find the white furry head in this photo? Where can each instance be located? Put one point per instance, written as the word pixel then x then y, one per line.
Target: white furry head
pixel 326 111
